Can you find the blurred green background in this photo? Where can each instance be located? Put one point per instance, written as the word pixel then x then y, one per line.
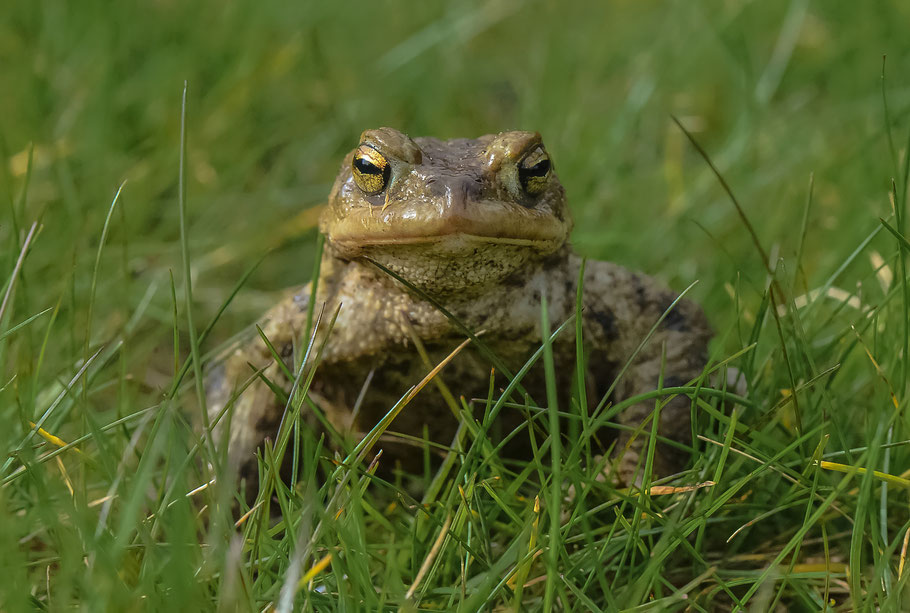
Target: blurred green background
pixel 279 91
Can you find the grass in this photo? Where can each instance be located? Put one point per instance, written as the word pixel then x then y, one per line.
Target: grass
pixel 133 245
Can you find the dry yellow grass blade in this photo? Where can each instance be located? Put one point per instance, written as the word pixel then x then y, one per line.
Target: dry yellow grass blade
pixel 317 568
pixel 521 573
pixel 370 439
pixel 878 369
pixel 50 438
pixel 246 515
pixel 66 477
pixel 432 374
pixel 663 490
pixel 425 566
pixel 858 470
pixel 900 567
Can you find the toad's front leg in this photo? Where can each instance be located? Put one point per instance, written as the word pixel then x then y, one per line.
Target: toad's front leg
pixel 669 359
pixel 663 340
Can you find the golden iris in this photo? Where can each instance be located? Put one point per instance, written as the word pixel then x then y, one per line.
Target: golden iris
pixel 371 170
pixel 534 171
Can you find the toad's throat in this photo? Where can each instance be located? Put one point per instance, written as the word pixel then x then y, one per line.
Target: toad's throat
pixel 460 264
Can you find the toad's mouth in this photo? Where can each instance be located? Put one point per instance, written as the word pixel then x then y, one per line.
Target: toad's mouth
pixel 445 228
pixel 452 245
pixel 456 237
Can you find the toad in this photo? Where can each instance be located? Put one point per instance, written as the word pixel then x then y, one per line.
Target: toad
pixel 426 239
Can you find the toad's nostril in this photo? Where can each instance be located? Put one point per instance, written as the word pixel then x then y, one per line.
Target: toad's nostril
pixel 456 197
pixel 460 193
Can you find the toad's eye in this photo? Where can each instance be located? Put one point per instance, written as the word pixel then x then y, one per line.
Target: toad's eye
pixel 534 171
pixel 371 170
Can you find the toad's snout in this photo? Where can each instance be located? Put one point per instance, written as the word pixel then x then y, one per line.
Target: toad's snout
pixel 459 192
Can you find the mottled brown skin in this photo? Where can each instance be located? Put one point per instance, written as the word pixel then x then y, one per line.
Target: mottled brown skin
pixel 455 219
